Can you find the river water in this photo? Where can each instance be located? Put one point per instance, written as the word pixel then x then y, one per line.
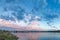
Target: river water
pixel 38 36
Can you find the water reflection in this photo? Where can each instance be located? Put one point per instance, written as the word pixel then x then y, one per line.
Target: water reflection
pixel 38 36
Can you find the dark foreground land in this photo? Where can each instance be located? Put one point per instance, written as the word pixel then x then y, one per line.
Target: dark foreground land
pixel 5 35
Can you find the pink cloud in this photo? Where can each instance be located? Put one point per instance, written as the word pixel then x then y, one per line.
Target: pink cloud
pixel 34 25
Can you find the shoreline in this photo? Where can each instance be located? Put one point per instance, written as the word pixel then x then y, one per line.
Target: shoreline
pixel 34 31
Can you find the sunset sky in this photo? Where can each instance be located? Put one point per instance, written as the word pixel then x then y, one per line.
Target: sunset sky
pixel 32 14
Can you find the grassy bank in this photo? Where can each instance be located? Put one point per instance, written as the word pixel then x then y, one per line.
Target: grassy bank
pixel 5 35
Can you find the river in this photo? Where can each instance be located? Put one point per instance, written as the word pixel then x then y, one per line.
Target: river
pixel 38 36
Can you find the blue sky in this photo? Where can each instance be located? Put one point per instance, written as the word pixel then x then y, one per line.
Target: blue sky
pixel 47 11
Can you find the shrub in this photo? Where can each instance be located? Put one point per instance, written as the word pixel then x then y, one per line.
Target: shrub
pixel 5 35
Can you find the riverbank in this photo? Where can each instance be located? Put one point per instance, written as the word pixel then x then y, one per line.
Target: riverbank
pixel 5 35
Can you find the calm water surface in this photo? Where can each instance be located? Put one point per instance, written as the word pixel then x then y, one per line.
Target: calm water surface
pixel 38 36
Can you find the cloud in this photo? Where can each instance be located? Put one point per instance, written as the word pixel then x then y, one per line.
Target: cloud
pixel 20 14
pixel 45 3
pixel 59 1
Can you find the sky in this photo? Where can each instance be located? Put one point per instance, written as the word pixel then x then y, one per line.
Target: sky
pixel 32 14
